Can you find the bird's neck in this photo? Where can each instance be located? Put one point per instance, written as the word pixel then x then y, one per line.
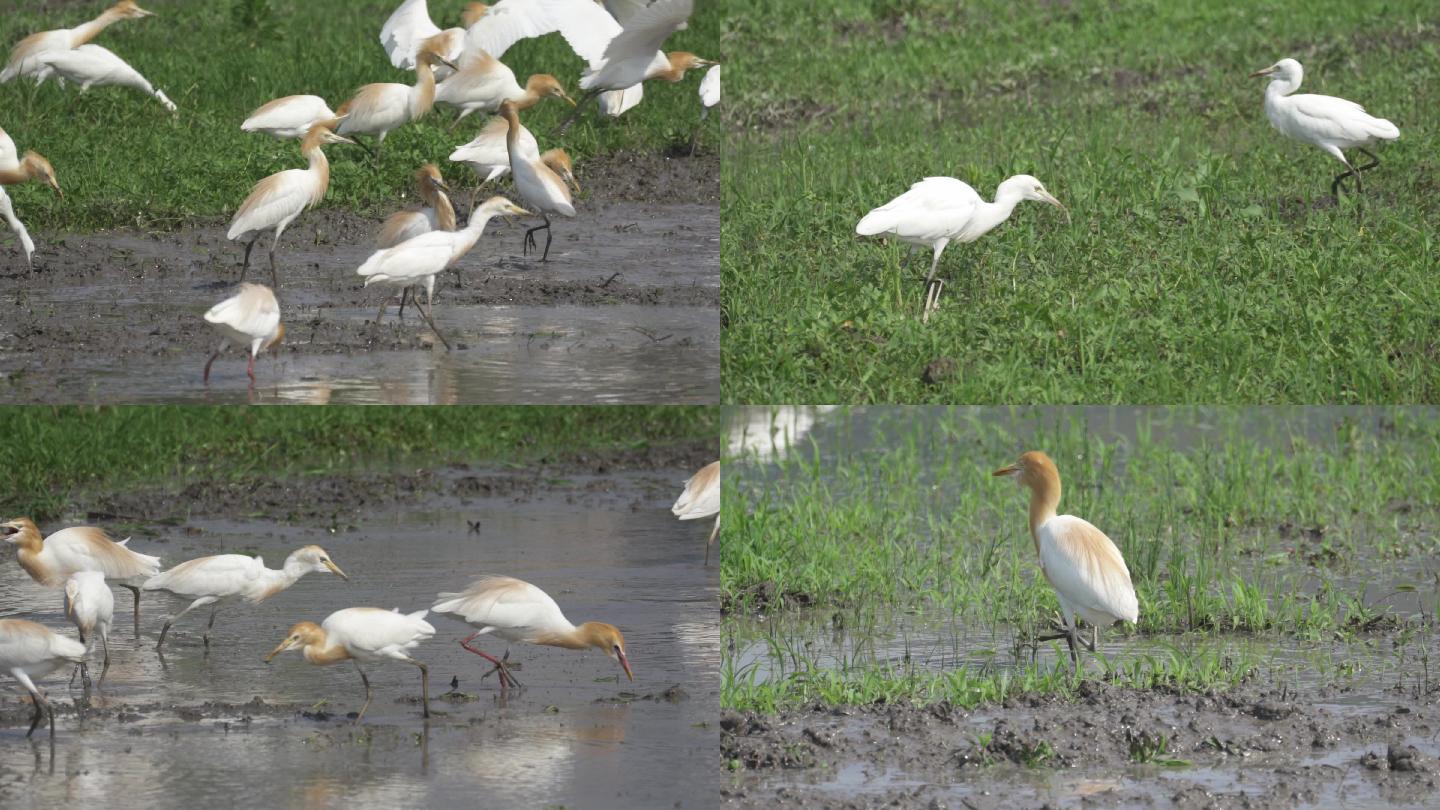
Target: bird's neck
pixel 512 134
pixel 990 214
pixel 30 556
pixel 1279 88
pixel 422 96
pixel 1044 501
pixel 575 638
pixel 444 211
pixel 322 652
pixel 529 99
pixel 320 168
pixel 86 31
pixel 16 176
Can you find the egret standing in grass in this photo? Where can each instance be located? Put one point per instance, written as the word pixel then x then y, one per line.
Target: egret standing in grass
pixel 375 109
pixel 517 611
pixel 14 170
pixel 701 499
pixel 90 606
pixel 1082 565
pixel 290 117
pixel 1332 124
pixel 363 635
pixel 222 578
pixel 277 200
pixel 52 560
pixel 24 59
pixel 543 188
pixel 29 650
pixel 939 210
pixel 249 319
pixel 93 65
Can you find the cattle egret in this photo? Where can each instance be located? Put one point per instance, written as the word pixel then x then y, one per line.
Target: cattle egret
pixel 54 559
pixel 939 210
pixel 92 65
pixel 90 605
pixel 419 260
pixel 410 29
pixel 1332 124
pixel 539 184
pixel 701 499
pixel 290 117
pixel 277 200
pixel 1085 569
pixel 484 83
pixel 222 578
pixel 29 650
pixel 249 319
pixel 517 611
pixel 363 635
pixel 437 215
pixel 375 109
pixel 14 170
pixel 24 59
pixel 489 153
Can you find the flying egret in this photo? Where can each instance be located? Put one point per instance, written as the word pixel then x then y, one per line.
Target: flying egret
pixel 14 170
pixel 409 29
pixel 29 650
pixel 419 260
pixel 1085 569
pixel 939 210
pixel 517 611
pixel 363 635
pixel 484 83
pixel 437 215
pixel 277 200
pixel 1332 124
pixel 52 560
pixel 539 184
pixel 222 578
pixel 290 117
pixel 701 499
pixel 709 97
pixel 24 59
pixel 90 606
pixel 92 65
pixel 249 319
pixel 375 109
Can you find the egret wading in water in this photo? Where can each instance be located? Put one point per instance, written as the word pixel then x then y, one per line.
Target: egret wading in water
pixel 1082 565
pixel 14 170
pixel 517 611
pixel 222 578
pixel 540 185
pixel 701 499
pixel 52 560
pixel 1332 124
pixel 249 319
pixel 25 57
pixel 363 635
pixel 29 650
pixel 437 215
pixel 939 210
pixel 90 606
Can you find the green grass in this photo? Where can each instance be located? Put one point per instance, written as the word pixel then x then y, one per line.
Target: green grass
pixel 1203 264
pixel 122 160
pixel 54 453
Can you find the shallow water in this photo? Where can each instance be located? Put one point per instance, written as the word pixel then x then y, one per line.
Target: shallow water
pixel 577 735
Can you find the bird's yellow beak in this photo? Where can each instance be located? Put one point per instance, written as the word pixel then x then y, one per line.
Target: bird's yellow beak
pixel 521 212
pixel 440 184
pixel 55 184
pixel 575 184
pixel 625 664
pixel 446 62
pixel 1050 198
pixel 335 569
pixel 1010 470
pixel 277 651
pixel 143 13
pixel 567 98
pixel 1265 72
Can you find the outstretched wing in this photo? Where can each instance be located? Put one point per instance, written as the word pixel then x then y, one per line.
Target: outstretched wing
pixel 646 31
pixel 403 32
pixel 510 21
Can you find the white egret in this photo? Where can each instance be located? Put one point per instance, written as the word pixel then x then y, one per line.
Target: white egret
pixel 484 83
pixel 290 117
pixel 419 260
pixel 52 560
pixel 437 215
pixel 249 319
pixel 363 635
pixel 409 29
pixel 277 200
pixel 701 499
pixel 517 611
pixel 375 109
pixel 489 154
pixel 24 59
pixel 15 169
pixel 29 650
pixel 939 210
pixel 222 578
pixel 539 184
pixel 1332 124
pixel 1082 565
pixel 90 606
pixel 94 65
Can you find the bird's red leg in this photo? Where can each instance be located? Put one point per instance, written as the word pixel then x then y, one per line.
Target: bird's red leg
pixel 506 679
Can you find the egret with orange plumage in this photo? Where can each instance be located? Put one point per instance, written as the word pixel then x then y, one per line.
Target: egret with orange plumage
pixel 701 499
pixel 29 650
pixel 52 560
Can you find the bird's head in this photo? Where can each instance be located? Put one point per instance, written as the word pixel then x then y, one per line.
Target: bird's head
pixel 1031 470
pixel 501 207
pixel 432 56
pixel 1286 70
pixel 127 10
pixel 681 61
pixel 607 639
pixel 1028 188
pixel 321 134
pixel 17 531
pixel 543 85
pixel 301 635
pixel 429 177
pixel 559 162
pixel 40 169
pixel 318 560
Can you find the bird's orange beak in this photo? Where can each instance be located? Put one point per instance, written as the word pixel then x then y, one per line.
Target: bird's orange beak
pixel 1010 470
pixel 1265 72
pixel 276 651
pixel 625 664
pixel 335 569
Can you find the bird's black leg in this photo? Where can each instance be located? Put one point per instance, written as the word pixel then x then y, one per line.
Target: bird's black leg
pixel 546 256
pixel 245 266
pixel 1374 161
pixel 1074 656
pixel 136 592
pixel 530 242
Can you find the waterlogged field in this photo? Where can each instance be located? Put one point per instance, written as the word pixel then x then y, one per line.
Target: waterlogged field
pixel 882 596
pixel 1205 261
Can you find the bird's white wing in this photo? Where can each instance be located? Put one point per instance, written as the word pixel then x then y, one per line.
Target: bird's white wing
pixel 86 548
pixel 9 155
pixel 25 642
pixel 424 255
pixel 646 31
pixel 588 28
pixel 510 21
pixel 290 112
pixel 623 10
pixel 929 210
pixel 701 497
pixel 403 32
pixel 710 87
pixel 1085 568
pixel 374 630
pixel 253 311
pixel 274 198
pixel 95 64
pixel 1337 119
pixel 220 575
pixel 504 603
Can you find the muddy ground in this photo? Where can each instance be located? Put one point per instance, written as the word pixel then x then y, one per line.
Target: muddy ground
pixel 626 309
pixel 193 727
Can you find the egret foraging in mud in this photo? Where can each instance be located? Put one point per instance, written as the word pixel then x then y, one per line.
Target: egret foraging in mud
pixel 541 186
pixel 517 611
pixel 375 109
pixel 1332 124
pixel 290 117
pixel 939 210
pixel 29 650
pixel 277 200
pixel 90 606
pixel 222 578
pixel 96 66
pixel 249 319
pixel 701 499
pixel 363 635
pixel 52 560
pixel 1082 565
pixel 24 58
pixel 14 170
